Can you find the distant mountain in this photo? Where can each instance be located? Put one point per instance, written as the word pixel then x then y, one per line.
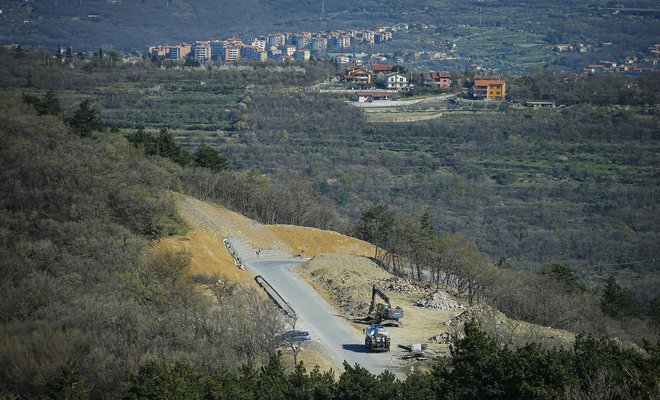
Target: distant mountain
pixel 134 24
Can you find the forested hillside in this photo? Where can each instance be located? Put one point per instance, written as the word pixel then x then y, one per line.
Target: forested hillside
pixel 78 292
pixel 87 311
pixel 574 184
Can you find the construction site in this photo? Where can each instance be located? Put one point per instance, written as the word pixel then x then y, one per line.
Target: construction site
pixel 347 306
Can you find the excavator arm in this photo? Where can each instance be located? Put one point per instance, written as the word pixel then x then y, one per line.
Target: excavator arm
pixel 377 292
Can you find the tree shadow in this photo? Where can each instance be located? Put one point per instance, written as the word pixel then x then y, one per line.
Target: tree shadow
pixel 355 347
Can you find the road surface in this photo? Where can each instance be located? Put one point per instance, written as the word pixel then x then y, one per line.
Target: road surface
pixel 315 315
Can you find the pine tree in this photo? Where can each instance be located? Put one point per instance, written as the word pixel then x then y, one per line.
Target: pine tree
pixel 84 121
pixel 617 301
pixel 564 275
pixel 168 148
pixel 376 225
pixel 51 104
pixel 208 157
pixel 142 139
pixel 427 229
pixel 478 365
pixel 160 381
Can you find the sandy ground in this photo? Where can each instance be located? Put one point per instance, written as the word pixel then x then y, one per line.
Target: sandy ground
pixel 340 270
pixel 209 224
pixel 209 256
pixel 315 241
pixel 346 282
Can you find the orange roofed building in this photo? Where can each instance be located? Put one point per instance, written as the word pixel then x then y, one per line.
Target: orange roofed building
pixel 377 68
pixel 489 89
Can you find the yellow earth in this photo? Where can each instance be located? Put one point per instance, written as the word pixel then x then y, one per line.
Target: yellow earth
pixel 340 270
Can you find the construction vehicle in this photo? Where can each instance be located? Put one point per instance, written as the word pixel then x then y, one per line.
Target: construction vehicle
pixel 376 338
pixel 384 312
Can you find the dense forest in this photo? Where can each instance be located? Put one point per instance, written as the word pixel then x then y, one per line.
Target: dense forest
pixel 87 311
pixel 477 369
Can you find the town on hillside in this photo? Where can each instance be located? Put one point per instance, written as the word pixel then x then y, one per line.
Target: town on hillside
pixel 282 46
pixel 390 79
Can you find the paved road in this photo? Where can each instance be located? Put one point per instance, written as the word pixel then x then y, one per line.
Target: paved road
pixel 315 315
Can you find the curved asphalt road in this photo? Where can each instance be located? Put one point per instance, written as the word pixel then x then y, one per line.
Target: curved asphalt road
pixel 316 316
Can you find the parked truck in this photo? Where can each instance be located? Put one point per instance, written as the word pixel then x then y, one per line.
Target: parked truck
pixel 376 338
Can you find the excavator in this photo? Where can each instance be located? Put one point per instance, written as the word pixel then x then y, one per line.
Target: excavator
pixel 384 313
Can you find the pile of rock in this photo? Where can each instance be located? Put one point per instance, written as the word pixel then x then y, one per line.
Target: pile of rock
pixel 444 337
pixel 439 299
pixel 462 318
pixel 477 312
pixel 400 285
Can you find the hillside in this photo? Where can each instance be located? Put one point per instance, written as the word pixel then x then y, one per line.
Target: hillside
pixel 95 305
pixel 208 225
pixel 134 25
pixel 479 32
pixel 573 184
pixel 342 272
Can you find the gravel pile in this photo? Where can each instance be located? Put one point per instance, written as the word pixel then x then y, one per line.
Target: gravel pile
pixel 467 315
pixel 481 313
pixel 402 286
pixel 439 299
pixel 444 337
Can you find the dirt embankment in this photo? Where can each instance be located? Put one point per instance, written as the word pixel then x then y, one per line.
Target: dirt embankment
pixel 346 281
pixel 431 315
pixel 342 272
pixel 208 255
pixel 209 224
pixel 310 242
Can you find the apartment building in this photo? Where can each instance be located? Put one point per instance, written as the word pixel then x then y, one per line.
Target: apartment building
pixel 201 52
pixel 318 44
pixel 489 89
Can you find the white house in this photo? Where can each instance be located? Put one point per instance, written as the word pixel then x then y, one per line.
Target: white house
pixel 397 81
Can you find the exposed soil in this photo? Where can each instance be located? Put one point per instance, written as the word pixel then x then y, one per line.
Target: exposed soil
pixel 343 274
pixel 314 241
pixel 346 282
